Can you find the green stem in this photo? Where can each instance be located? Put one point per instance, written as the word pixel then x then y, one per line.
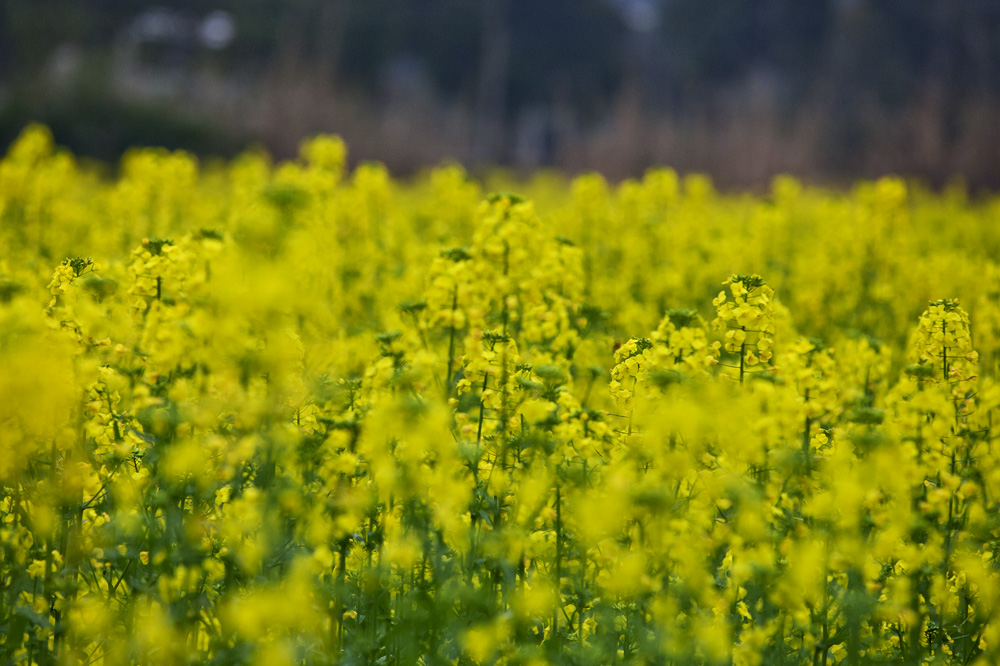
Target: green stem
pixel 559 556
pixel 743 354
pixel 631 410
pixel 944 349
pixel 482 410
pixel 451 341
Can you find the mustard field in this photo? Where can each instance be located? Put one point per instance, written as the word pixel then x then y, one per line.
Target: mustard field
pixel 273 414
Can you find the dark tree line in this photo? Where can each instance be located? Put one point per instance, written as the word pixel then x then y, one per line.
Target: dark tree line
pixel 579 48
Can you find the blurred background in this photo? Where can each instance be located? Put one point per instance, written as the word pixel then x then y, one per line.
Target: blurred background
pixel 829 90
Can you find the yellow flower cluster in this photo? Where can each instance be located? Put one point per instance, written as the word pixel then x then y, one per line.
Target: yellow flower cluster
pixel 301 414
pixel 943 341
pixel 748 320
